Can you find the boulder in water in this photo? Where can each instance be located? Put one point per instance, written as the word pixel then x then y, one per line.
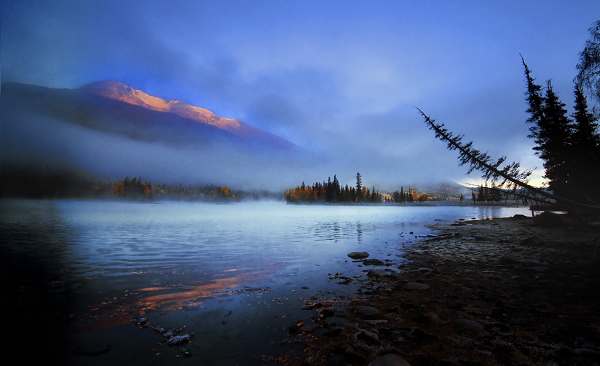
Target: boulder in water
pixel 358 255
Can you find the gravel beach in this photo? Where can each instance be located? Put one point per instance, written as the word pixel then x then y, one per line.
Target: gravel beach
pixel 511 291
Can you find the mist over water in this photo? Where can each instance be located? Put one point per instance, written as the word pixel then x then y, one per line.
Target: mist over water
pixel 189 264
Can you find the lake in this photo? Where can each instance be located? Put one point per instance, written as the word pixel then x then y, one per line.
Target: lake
pixel 236 275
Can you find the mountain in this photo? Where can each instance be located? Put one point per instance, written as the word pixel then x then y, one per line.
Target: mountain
pixel 124 93
pixel 114 107
pixel 111 130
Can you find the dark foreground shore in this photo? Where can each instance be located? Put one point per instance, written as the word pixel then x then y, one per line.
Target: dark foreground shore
pixel 493 292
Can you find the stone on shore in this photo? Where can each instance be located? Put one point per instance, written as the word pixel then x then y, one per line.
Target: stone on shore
pixel 377 273
pixel 466 323
pixel 390 359
pixel 358 255
pixel 365 310
pixel 416 286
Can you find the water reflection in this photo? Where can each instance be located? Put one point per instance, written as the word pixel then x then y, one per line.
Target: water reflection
pixel 135 302
pixel 120 260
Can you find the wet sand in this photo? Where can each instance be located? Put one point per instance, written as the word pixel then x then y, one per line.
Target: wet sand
pixel 495 292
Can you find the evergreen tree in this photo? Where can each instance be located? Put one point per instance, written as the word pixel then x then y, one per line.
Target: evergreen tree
pixel 336 188
pixel 551 130
pixel 555 149
pixel 329 190
pixel 535 109
pixel 481 194
pixel 586 150
pixel 358 187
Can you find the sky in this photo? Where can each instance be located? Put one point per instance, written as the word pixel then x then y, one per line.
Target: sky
pixel 341 79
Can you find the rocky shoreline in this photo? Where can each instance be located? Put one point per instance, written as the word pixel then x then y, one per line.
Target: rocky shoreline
pixel 512 291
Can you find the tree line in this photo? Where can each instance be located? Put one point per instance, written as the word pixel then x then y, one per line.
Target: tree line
pixel 135 189
pixel 333 192
pixel 23 183
pixel 569 145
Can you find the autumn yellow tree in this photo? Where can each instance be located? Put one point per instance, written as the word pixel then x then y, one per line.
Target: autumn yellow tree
pixel 415 195
pixel 118 189
pixel 147 188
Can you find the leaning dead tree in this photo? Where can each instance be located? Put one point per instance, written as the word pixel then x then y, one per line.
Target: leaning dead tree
pixel 507 175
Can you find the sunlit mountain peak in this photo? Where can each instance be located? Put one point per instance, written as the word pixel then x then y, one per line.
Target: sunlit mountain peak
pixel 116 90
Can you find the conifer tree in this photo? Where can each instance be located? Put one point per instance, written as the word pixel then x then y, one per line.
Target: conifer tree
pixel 555 148
pixel 586 150
pixel 336 188
pixel 358 187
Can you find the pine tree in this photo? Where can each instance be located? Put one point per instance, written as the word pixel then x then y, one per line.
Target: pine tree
pixel 536 102
pixel 551 130
pixel 555 148
pixel 336 188
pixel 586 150
pixel 358 187
pixel 328 190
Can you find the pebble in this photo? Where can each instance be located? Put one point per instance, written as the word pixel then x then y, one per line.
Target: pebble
pixel 416 286
pixel 466 323
pixel 390 359
pixel 539 269
pixel 376 322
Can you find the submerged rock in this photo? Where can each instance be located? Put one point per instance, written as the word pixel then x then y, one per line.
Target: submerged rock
pixel 358 255
pixel 373 262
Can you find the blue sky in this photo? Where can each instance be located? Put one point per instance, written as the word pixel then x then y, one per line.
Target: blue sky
pixel 339 78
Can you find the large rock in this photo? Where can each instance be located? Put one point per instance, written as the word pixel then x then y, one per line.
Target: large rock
pixel 358 255
pixel 390 359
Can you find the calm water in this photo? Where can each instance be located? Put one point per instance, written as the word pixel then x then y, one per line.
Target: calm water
pixel 237 275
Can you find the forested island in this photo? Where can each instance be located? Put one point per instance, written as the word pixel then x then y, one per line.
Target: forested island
pixel 333 192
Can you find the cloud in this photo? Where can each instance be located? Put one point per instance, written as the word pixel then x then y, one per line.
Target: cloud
pixel 340 79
